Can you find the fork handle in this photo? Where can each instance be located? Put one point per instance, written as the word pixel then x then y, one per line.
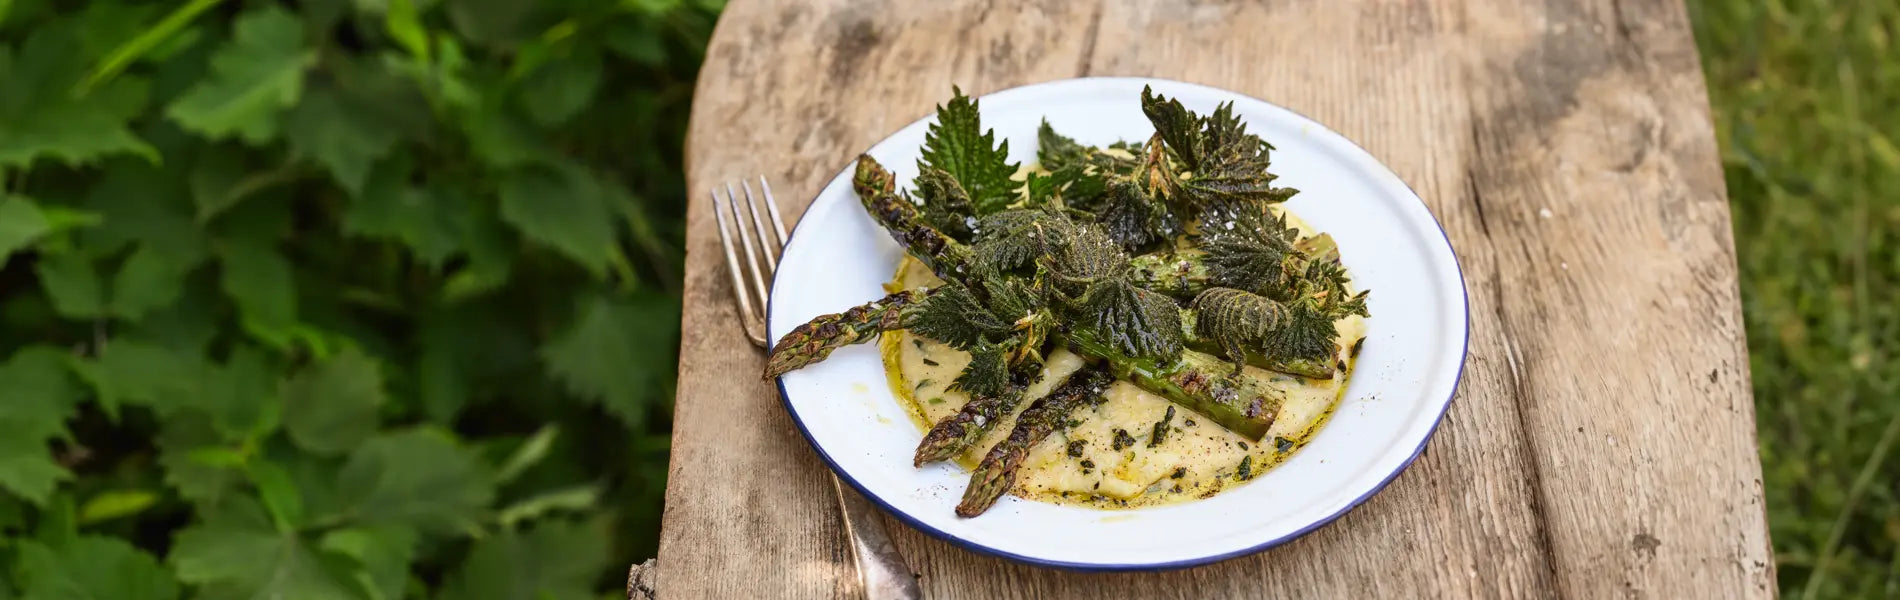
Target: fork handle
pixel 881 569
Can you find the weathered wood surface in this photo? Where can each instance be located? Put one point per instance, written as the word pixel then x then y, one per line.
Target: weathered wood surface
pixel 1602 442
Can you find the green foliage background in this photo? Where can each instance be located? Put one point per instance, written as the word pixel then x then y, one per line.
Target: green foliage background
pixel 376 298
pixel 1807 107
pixel 337 298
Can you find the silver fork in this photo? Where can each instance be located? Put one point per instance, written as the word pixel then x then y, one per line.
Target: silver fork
pixel 882 571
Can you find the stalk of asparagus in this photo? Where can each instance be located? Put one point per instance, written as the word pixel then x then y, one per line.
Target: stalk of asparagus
pixel 955 433
pixel 813 341
pixel 1200 382
pixel 1304 367
pixel 877 191
pixel 997 472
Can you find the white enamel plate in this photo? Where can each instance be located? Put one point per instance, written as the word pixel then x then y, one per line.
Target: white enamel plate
pixel 1415 347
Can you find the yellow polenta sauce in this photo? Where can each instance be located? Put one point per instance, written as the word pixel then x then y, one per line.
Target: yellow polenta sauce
pixel 1082 464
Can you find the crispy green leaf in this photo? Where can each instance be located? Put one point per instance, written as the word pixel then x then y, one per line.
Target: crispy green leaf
pixel 91 568
pixel 330 407
pixel 553 560
pixel 957 144
pixel 944 203
pixel 340 134
pixel 235 553
pixel 255 76
pixel 1011 238
pixel 564 208
pixel 618 352
pixel 1055 151
pixel 1138 322
pixel 954 316
pixel 415 478
pixel 20 224
pixel 988 371
pixel 41 117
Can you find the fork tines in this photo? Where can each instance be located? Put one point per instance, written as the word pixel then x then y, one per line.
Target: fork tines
pixel 770 241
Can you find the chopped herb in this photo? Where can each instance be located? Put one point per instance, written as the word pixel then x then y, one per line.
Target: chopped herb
pixel 1358 345
pixel 1190 422
pixel 1122 439
pixel 921 384
pixel 1161 429
pixel 1282 444
pixel 1176 489
pixel 1246 469
pixel 1179 472
pixel 930 362
pixel 1098 485
pixel 1074 423
pixel 918 343
pixel 1076 447
pixel 937 400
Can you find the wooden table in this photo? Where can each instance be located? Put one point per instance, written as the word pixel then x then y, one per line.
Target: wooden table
pixel 1602 443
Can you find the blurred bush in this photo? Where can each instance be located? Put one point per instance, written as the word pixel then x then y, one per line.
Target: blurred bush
pixel 337 299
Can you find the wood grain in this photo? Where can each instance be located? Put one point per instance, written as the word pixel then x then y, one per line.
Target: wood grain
pixel 1602 441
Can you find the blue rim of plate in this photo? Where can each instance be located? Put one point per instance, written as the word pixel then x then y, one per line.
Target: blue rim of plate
pixel 1088 567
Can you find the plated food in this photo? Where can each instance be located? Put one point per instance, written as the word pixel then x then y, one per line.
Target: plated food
pixel 1135 324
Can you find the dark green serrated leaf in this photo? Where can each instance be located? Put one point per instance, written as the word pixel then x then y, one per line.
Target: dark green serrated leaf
pixel 27 469
pixel 37 396
pixel 92 568
pixel 73 284
pixel 1250 251
pixel 259 281
pixel 150 279
pixel 40 117
pixel 554 560
pixel 140 203
pixel 560 88
pixel 1138 322
pixel 954 316
pixel 618 352
pixel 1055 151
pixel 957 144
pixel 987 374
pixel 564 208
pixel 1012 238
pixel 416 478
pixel 20 224
pixel 235 553
pixel 432 223
pixel 330 407
pixel 341 135
pixel 255 76
pixel 133 371
pixel 184 441
pixel 385 553
pixel 944 204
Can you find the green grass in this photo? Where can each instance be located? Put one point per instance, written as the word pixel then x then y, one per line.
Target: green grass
pixel 1807 107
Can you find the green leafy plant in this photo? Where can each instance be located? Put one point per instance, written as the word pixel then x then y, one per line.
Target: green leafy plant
pixel 325 299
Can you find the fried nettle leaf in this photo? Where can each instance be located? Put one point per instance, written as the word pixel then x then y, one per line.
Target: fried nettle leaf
pixel 1093 272
pixel 954 316
pixel 958 145
pixel 1251 251
pixel 1005 330
pixel 1222 164
pixel 1011 239
pixel 944 204
pixel 1057 152
pixel 1300 329
pixel 1132 217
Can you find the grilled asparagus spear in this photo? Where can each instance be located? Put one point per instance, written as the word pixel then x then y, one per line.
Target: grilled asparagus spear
pixel 1199 382
pixel 813 341
pixel 998 470
pixel 955 433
